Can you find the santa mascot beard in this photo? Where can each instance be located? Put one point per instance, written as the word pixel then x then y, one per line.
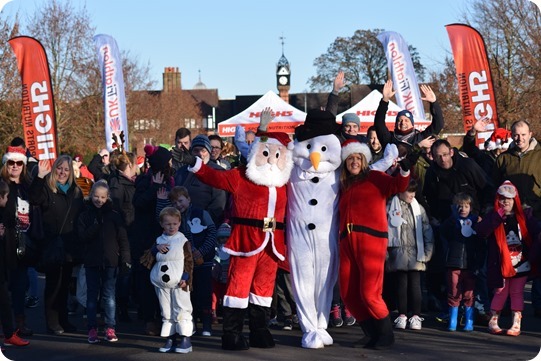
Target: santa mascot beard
pixel 269 175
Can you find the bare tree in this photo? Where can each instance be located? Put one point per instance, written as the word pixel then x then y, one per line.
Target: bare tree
pixel 362 59
pixel 512 34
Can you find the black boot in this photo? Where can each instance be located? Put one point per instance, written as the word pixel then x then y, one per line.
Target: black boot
pixel 260 335
pixel 384 334
pixel 369 334
pixel 233 322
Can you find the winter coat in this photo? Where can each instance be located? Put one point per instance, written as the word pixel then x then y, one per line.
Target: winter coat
pixel 524 171
pixel 486 229
pixel 203 196
pixel 54 209
pixel 104 235
pixel 146 226
pixel 462 252
pixel 12 211
pixel 385 136
pixel 404 257
pixel 121 191
pixel 441 185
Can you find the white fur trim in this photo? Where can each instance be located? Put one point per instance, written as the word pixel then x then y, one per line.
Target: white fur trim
pixel 260 300
pixel 404 174
pixel 197 166
pixel 235 302
pixel 356 147
pixel 15 156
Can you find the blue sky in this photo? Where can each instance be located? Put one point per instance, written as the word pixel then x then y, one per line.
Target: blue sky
pixel 236 44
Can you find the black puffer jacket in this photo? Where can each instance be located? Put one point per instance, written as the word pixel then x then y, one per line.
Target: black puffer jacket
pixel 441 185
pixel 54 208
pixel 122 190
pixel 103 232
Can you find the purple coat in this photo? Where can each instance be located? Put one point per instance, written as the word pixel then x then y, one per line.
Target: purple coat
pixel 486 228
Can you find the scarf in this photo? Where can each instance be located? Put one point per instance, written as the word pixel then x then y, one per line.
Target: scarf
pixel 507 268
pixel 396 221
pixel 63 187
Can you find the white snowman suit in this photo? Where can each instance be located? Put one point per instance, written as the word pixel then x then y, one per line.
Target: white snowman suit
pixel 166 275
pixel 312 233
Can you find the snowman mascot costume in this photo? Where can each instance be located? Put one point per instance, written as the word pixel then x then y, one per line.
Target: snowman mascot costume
pixel 312 226
pixel 259 196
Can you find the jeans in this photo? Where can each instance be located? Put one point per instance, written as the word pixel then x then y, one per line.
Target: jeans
pixel 101 279
pixel 32 282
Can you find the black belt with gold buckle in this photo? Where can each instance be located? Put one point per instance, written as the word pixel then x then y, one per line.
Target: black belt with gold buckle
pixel 266 224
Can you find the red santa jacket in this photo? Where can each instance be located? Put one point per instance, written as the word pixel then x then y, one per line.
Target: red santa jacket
pixel 249 202
pixel 364 203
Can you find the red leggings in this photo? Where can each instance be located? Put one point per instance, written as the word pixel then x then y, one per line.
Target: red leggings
pixel 218 292
pixel 362 259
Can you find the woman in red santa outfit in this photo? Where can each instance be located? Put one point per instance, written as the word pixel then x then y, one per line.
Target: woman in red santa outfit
pixel 258 193
pixel 363 244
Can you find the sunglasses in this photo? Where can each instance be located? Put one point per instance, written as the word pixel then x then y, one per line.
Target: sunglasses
pixel 19 163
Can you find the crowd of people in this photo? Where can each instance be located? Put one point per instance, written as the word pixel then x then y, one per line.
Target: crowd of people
pixel 332 226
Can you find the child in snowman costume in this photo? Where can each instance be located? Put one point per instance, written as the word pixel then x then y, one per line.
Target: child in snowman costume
pixel 465 255
pixel 172 278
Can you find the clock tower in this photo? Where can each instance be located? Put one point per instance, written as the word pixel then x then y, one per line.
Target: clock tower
pixel 283 75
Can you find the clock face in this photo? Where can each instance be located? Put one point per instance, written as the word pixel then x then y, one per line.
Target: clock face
pixel 282 80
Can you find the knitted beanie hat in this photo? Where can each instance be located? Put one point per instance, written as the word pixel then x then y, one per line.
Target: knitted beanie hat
pixel 224 230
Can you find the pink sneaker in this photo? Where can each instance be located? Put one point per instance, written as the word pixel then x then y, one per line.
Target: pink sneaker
pixel 110 335
pixel 93 336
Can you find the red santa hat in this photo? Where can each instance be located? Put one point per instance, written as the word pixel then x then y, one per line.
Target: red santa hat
pixel 274 137
pixel 500 139
pixel 140 161
pixel 15 154
pixel 352 146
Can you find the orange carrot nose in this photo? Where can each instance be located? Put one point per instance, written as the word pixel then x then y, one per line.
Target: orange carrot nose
pixel 315 157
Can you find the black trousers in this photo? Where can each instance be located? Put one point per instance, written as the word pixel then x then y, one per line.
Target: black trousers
pixel 408 292
pixel 55 297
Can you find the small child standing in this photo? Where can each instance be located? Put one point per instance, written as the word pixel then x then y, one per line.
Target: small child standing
pixel 411 242
pixel 171 277
pixel 220 269
pixel 102 230
pixel 11 338
pixel 463 260
pixel 512 233
pixel 199 229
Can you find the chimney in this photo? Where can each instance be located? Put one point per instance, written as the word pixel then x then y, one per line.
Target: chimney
pixel 171 79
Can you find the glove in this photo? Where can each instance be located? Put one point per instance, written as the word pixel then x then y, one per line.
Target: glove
pixel 183 156
pixel 125 268
pixel 264 119
pixel 240 134
pixel 405 164
pixel 501 211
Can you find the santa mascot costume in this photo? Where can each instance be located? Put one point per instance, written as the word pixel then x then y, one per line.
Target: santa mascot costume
pixel 312 227
pixel 259 196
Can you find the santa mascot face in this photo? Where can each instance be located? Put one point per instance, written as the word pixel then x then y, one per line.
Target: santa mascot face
pixel 318 155
pixel 269 162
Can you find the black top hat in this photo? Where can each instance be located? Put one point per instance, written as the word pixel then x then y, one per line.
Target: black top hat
pixel 318 122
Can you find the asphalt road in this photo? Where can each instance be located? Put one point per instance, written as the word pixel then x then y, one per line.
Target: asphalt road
pixel 433 342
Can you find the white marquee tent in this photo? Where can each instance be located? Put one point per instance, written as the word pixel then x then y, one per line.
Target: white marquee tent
pixel 286 118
